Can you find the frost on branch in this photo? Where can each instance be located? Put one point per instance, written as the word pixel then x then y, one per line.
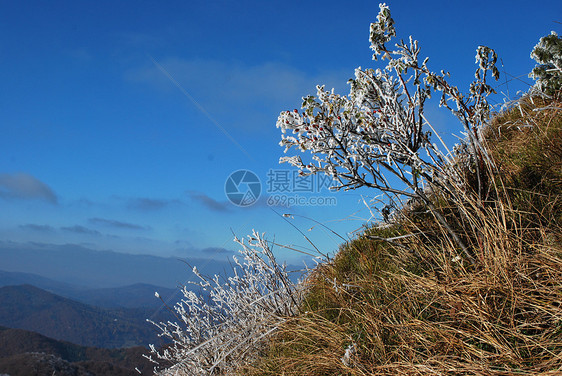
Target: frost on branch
pixel 382 31
pixel 548 54
pixel 222 328
pixel 379 130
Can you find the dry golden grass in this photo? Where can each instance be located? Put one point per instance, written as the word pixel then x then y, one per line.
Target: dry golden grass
pixel 415 306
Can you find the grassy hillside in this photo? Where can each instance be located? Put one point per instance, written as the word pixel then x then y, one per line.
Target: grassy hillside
pixel 403 299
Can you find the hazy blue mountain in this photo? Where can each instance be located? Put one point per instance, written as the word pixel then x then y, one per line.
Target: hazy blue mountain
pixel 79 266
pixel 134 296
pixel 19 278
pixel 30 308
pixel 139 295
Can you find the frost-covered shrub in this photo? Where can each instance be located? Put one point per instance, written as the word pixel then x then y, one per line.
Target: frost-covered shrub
pixel 380 128
pixel 378 134
pixel 548 53
pixel 224 326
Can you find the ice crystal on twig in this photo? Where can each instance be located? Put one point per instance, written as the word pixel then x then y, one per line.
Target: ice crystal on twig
pixel 220 328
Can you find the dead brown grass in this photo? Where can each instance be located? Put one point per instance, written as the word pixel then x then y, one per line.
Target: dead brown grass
pixel 413 306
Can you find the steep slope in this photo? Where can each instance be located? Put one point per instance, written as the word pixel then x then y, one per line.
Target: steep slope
pixel 402 298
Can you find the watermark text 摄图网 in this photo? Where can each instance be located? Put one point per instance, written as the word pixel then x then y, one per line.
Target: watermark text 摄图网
pixel 285 187
pixel 292 181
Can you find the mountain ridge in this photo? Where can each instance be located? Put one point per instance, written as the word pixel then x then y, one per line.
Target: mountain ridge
pixel 138 295
pixel 31 308
pixel 81 266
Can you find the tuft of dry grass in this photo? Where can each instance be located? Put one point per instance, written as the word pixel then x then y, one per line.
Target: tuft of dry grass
pixel 404 300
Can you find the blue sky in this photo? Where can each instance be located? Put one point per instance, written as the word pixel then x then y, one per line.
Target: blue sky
pixel 121 121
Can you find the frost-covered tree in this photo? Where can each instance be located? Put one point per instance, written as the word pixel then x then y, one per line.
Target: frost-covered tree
pixel 548 54
pixel 223 326
pixel 379 130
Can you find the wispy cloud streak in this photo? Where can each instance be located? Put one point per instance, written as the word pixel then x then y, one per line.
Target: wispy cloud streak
pixel 116 224
pixel 211 203
pixel 38 228
pixel 201 108
pixel 149 204
pixel 81 230
pixel 26 187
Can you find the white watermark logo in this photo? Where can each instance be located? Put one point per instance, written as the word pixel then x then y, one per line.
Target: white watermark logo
pixel 284 187
pixel 243 188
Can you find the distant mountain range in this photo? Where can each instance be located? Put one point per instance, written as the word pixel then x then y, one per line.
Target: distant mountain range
pixel 27 353
pixel 75 298
pixel 83 267
pixel 139 295
pixel 55 335
pixel 77 311
pixel 31 308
